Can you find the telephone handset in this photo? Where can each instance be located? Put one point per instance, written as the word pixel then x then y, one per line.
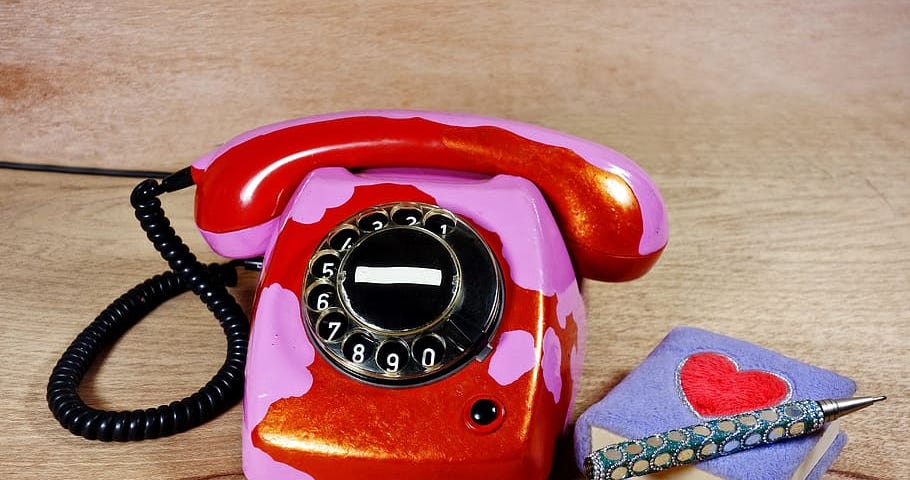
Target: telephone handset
pixel 417 314
pixel 611 214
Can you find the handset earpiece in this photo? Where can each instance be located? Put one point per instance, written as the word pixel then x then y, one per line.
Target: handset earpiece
pixel 610 213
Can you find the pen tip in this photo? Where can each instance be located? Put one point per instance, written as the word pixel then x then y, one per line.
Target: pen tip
pixel 833 409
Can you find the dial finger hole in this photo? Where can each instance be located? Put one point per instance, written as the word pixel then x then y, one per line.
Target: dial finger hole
pixel 407 216
pixel 373 221
pixel 332 326
pixel 429 351
pixel 344 238
pixel 392 356
pixel 325 265
pixel 358 348
pixel 321 297
pixel 440 223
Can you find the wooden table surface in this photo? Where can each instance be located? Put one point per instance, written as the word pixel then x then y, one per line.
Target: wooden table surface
pixel 778 132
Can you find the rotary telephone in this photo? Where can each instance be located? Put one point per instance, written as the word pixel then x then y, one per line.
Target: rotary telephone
pixel 418 313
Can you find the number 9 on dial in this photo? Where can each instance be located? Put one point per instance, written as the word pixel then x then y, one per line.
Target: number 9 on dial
pixel 392 356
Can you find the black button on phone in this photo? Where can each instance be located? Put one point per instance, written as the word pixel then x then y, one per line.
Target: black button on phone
pixel 484 412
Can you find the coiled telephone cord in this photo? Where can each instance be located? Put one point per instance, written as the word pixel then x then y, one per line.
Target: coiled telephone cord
pixel 208 282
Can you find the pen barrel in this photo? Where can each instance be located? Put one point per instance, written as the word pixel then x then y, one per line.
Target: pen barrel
pixel 701 442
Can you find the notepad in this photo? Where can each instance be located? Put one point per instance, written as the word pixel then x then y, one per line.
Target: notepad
pixel 693 376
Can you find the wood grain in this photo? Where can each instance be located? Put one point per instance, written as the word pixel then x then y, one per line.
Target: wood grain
pixel 779 133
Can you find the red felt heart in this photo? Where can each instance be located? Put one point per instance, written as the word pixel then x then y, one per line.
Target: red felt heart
pixel 713 386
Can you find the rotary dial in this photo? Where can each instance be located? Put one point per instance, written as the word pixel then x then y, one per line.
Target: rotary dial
pixel 402 294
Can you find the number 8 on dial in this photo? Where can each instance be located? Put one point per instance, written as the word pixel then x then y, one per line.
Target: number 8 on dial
pixel 358 347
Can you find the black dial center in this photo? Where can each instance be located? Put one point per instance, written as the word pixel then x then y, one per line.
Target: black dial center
pixel 399 279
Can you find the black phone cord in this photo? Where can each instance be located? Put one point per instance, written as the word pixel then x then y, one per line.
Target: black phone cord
pixel 208 282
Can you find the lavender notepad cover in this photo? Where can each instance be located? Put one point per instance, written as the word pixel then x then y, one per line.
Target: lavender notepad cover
pixel 649 401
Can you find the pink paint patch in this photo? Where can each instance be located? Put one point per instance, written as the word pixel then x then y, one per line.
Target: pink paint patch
pixel 576 362
pixel 569 302
pixel 552 363
pixel 280 353
pixel 256 461
pixel 316 195
pixel 245 243
pixel 512 207
pixel 513 357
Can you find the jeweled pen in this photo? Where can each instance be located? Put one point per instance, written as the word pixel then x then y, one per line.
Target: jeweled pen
pixel 719 437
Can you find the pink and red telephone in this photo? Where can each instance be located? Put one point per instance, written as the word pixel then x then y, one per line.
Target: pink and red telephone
pixel 418 313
